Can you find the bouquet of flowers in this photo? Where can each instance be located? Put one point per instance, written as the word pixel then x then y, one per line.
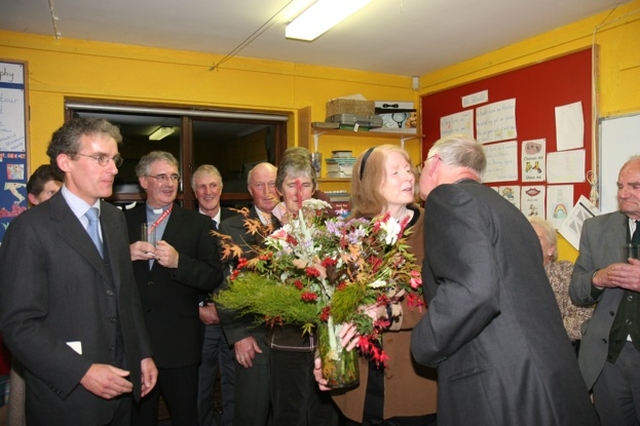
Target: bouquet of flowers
pixel 323 273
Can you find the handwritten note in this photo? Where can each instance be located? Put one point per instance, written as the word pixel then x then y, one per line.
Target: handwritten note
pixel 459 123
pixel 475 98
pixel 496 121
pixel 11 73
pixel 566 166
pixel 502 162
pixel 12 122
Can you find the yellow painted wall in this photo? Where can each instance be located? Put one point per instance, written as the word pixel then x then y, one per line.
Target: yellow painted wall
pixel 82 69
pixel 616 34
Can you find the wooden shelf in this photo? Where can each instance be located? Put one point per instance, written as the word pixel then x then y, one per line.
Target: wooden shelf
pixel 309 136
pixel 403 136
pixel 365 134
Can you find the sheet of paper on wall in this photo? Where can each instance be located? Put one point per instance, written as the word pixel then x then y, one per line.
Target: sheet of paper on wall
pixel 502 162
pixel 511 193
pixel 533 164
pixel 572 226
pixel 566 166
pixel 569 126
pixel 475 98
pixel 559 202
pixel 459 123
pixel 532 201
pixel 496 121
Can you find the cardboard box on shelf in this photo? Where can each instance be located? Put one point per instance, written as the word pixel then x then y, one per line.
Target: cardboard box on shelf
pixel 350 106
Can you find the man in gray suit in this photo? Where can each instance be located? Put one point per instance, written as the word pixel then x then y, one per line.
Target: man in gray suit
pixel 493 328
pixel 252 400
pixel 604 274
pixel 69 306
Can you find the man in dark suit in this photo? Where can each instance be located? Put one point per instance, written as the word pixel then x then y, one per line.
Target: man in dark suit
pixel 207 185
pixel 69 307
pixel 493 328
pixel 184 263
pixel 610 277
pixel 252 401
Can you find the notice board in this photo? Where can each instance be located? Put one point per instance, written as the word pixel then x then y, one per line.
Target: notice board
pixel 540 116
pixel 13 142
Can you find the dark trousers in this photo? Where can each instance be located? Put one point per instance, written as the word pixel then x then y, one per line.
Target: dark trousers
pixel 124 406
pixel 295 395
pixel 216 353
pixel 616 393
pixel 252 397
pixel 179 389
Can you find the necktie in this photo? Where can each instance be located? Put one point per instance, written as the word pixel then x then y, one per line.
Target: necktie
pixel 635 240
pixel 92 229
pixel 215 224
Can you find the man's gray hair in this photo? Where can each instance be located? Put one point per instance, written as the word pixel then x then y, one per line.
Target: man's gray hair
pixel 461 151
pixel 205 169
pixel 144 165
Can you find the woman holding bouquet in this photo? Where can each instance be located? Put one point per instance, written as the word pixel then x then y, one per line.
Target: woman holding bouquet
pixel 403 393
pixel 296 399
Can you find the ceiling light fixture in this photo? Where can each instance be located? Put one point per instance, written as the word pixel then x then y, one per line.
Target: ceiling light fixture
pixel 322 16
pixel 160 133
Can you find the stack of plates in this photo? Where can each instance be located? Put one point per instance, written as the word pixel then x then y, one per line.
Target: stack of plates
pixel 340 167
pixel 342 154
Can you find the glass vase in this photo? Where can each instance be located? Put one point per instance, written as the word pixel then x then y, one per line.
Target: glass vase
pixel 339 366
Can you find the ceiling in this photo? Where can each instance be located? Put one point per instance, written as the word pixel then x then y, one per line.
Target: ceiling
pixel 400 37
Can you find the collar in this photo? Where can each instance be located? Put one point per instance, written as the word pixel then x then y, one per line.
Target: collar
pixel 78 206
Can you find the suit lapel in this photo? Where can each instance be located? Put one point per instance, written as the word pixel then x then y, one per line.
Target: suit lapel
pixel 616 233
pixel 173 224
pixel 70 229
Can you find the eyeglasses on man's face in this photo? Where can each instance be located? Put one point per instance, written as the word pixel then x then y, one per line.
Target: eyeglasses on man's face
pixel 421 165
pixel 163 178
pixel 103 159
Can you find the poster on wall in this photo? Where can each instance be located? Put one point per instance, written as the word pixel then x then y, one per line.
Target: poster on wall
pixel 511 193
pixel 566 166
pixel 13 143
pixel 496 121
pixel 532 201
pixel 533 165
pixel 569 126
pixel 459 123
pixel 559 202
pixel 571 228
pixel 502 162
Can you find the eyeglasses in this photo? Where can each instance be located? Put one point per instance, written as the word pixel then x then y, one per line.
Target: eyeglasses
pixel 103 159
pixel 162 178
pixel 421 165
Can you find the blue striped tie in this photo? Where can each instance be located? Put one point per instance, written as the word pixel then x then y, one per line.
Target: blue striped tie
pixel 92 229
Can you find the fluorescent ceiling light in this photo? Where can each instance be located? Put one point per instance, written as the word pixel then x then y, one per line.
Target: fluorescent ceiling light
pixel 321 16
pixel 160 133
